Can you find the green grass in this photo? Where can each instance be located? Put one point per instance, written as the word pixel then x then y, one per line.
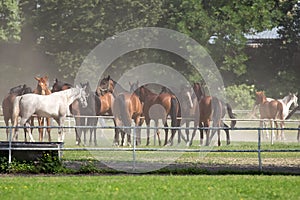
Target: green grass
pixel 150 187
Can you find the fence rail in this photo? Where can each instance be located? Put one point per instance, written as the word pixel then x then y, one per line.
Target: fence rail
pixel 135 149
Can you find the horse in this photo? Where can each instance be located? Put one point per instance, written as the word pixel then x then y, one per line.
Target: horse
pixel 74 108
pixel 104 103
pixel 188 108
pixel 107 84
pixel 159 106
pixel 60 85
pixel 42 89
pixel 7 103
pixel 271 110
pixel 54 105
pixel 127 106
pixel 210 108
pixel 90 110
pixel 107 90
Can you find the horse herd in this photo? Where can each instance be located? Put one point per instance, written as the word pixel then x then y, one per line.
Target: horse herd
pixel 140 104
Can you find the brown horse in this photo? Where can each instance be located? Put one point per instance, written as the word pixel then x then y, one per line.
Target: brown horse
pixel 127 106
pixel 42 89
pixel 159 106
pixel 104 103
pixel 271 110
pixel 7 103
pixel 208 109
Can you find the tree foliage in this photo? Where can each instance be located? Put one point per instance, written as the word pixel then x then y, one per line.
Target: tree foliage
pixel 67 30
pixel 10 21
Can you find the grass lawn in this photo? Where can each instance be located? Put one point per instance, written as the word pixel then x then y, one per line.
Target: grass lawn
pixel 150 187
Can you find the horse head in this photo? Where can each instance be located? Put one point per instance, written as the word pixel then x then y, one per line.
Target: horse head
pixel 294 98
pixel 83 96
pixel 199 90
pixel 105 85
pixel 42 87
pixel 59 86
pixel 134 87
pixel 260 97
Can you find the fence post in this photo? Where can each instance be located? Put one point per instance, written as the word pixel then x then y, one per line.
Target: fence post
pixel 272 131
pixel 134 146
pixel 258 149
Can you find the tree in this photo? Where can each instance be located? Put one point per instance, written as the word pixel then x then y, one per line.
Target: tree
pixel 69 30
pixel 220 26
pixel 10 21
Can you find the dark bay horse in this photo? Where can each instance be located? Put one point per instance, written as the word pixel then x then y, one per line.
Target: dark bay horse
pixel 210 108
pixel 272 109
pixel 91 112
pixel 42 89
pixel 7 103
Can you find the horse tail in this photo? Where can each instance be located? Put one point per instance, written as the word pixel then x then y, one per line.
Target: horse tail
pixel 231 115
pixel 173 111
pixel 215 107
pixel 15 115
pixel 124 111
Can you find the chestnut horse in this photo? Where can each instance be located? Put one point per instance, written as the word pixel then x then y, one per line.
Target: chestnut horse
pixel 42 89
pixel 104 103
pixel 270 110
pixel 7 103
pixel 159 106
pixel 127 106
pixel 210 108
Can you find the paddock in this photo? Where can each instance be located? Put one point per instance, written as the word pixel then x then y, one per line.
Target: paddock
pixel 249 150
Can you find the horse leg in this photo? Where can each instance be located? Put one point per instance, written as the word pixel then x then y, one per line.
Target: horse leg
pixel 94 129
pixel 157 132
pixel 298 135
pixel 166 133
pixel 40 129
pixel 201 133
pixel 83 123
pixel 6 119
pixel 78 131
pixel 48 129
pixel 61 134
pixel 277 131
pixel 282 131
pixel 187 131
pixel 117 133
pixel 227 134
pixel 207 131
pixel 25 122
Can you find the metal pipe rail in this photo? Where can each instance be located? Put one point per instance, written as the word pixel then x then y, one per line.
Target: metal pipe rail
pixel 134 149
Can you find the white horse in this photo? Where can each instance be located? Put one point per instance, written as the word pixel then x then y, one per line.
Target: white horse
pixel 55 105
